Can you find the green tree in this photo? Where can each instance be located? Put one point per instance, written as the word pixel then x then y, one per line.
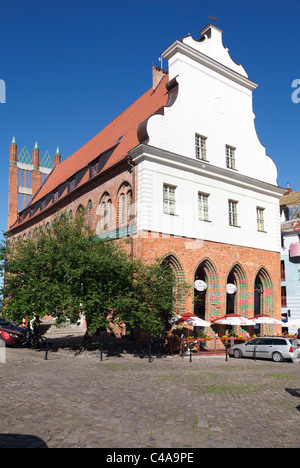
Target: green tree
pixel 66 270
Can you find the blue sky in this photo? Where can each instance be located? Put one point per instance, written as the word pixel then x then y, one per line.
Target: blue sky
pixel 71 66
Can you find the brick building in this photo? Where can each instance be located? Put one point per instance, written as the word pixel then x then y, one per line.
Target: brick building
pixel 183 174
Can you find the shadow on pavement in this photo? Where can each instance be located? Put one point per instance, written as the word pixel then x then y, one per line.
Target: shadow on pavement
pixel 21 441
pixel 295 392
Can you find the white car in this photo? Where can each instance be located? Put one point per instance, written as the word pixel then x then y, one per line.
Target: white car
pixel 276 348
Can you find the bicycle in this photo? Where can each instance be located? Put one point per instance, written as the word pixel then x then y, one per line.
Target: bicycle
pixel 36 341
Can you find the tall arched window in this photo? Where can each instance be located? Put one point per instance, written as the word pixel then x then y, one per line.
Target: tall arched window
pixel 89 213
pixel 122 209
pixel 79 210
pixel 124 204
pixel 105 212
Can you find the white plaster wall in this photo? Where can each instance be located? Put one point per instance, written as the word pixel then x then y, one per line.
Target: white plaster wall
pixel 153 175
pixel 214 104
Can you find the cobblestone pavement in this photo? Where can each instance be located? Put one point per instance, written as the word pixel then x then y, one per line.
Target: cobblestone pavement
pixel 127 402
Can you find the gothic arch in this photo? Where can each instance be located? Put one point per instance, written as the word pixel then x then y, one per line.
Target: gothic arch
pixel 207 272
pixel 263 278
pixel 237 276
pixel 124 200
pixel 106 213
pixel 177 268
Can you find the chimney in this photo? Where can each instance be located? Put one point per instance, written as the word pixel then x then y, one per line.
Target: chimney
pixel 289 190
pixel 157 76
pixel 57 158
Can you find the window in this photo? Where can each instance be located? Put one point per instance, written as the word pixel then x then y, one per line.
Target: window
pixel 72 184
pixel 43 204
pixel 203 206
pixel 232 211
pixel 282 270
pixel 260 218
pixel 55 195
pixel 200 147
pixel 105 210
pixel 122 209
pixel 90 213
pixel 283 296
pixel 169 199
pixel 94 169
pixel 230 157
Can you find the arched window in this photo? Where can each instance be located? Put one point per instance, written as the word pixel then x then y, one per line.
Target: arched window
pixel 90 213
pixel 105 212
pixel 79 210
pixel 124 204
pixel 122 209
pixel 129 203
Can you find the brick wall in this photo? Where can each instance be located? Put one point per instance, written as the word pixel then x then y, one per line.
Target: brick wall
pixel 217 260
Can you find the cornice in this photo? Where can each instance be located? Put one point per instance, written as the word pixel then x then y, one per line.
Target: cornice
pixel 167 158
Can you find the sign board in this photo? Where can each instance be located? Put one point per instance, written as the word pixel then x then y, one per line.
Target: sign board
pixel 230 288
pixel 200 285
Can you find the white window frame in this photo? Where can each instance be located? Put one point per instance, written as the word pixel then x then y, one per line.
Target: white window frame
pixel 200 147
pixel 203 210
pixel 260 219
pixel 232 213
pixel 230 157
pixel 169 199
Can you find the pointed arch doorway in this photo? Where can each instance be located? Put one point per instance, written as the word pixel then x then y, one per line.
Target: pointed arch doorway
pixel 237 291
pixel 206 293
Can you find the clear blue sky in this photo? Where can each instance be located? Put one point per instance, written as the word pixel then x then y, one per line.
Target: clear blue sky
pixel 71 66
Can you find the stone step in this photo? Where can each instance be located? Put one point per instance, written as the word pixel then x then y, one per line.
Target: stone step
pixel 50 330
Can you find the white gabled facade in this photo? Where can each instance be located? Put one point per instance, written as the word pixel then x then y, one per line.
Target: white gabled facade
pixel 214 106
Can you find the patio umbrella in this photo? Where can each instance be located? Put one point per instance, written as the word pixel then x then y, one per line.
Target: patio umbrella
pixel 198 322
pixel 193 320
pixel 233 319
pixel 292 324
pixel 261 318
pixel 175 318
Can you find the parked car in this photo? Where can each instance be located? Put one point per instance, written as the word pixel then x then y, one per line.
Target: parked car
pixel 10 333
pixel 276 348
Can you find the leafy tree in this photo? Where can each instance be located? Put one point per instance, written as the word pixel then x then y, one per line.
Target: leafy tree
pixel 66 270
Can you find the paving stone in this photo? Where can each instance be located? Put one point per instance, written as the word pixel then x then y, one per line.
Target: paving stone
pixel 127 402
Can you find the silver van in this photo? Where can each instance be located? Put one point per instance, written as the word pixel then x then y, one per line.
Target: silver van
pixel 276 348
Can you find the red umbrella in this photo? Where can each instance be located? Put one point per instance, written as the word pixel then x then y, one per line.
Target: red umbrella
pixel 262 318
pixel 232 319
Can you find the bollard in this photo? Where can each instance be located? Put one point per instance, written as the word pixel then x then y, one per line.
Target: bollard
pixel 101 351
pixel 190 353
pixel 46 352
pixel 254 353
pixel 149 353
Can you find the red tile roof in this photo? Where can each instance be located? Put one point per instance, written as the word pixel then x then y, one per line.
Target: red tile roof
pixel 125 126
